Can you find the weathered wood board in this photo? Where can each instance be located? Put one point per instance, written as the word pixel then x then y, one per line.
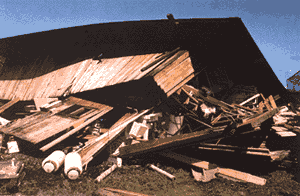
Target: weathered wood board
pixel 42 125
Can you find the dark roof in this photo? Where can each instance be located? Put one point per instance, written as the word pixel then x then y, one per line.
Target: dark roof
pixel 212 43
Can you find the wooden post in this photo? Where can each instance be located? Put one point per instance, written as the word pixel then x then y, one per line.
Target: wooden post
pixel 272 101
pixel 266 103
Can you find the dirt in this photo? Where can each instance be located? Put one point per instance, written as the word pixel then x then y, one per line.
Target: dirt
pixel 136 176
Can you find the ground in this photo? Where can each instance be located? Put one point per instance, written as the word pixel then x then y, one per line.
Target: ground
pixel 136 176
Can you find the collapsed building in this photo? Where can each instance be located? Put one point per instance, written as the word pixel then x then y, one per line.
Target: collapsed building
pixel 131 68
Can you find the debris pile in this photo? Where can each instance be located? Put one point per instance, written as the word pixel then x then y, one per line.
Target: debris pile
pixel 188 118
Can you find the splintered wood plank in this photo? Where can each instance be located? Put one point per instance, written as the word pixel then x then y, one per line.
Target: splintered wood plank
pixel 32 120
pixel 21 124
pixel 255 122
pixel 9 104
pixel 47 128
pixel 81 123
pixel 266 103
pixel 244 107
pixel 91 149
pixel 52 126
pixel 171 142
pixel 86 77
pixel 187 160
pixel 272 101
pixel 261 106
pixel 180 84
pixel 86 103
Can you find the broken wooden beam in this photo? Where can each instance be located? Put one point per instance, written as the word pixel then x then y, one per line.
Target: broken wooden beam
pixel 177 140
pixel 188 160
pixel 190 96
pixel 9 104
pixel 106 173
pixel 245 108
pixel 207 166
pixel 242 176
pixel 273 155
pixel 292 128
pixel 266 102
pixel 172 177
pixel 90 150
pixel 272 101
pixel 250 99
pixel 256 121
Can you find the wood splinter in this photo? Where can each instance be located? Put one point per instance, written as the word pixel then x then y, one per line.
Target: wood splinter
pixel 162 172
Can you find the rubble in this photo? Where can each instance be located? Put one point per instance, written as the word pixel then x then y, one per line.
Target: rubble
pixel 187 117
pixel 195 119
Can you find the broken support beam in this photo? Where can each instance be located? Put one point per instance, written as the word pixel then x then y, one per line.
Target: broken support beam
pixel 272 101
pixel 175 141
pixel 106 173
pixel 224 171
pixel 90 150
pixel 250 99
pixel 255 122
pixel 266 103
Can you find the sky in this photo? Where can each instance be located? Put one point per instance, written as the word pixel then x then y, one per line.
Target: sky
pixel 273 24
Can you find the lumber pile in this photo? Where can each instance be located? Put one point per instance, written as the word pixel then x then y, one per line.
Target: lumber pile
pixel 187 118
pixel 210 124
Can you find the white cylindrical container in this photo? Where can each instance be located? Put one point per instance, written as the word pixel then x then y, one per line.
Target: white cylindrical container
pixel 73 165
pixel 53 162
